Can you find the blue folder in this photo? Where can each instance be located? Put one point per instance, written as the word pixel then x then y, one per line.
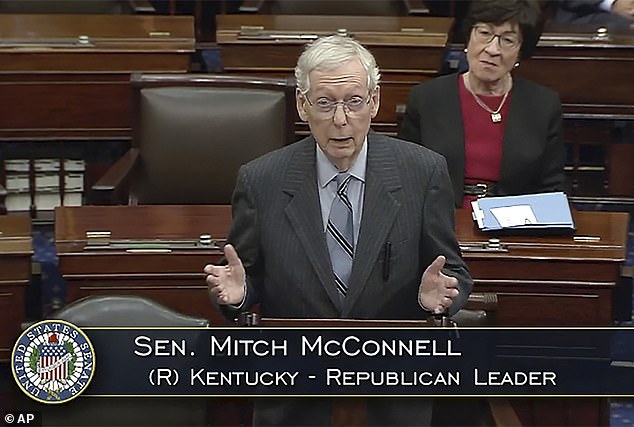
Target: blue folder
pixel 542 213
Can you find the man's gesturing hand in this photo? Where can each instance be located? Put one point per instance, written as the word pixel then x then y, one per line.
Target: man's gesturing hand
pixel 437 290
pixel 227 282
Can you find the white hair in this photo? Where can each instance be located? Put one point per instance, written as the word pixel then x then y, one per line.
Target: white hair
pixel 330 52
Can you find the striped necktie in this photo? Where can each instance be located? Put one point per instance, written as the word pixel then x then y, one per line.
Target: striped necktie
pixel 339 234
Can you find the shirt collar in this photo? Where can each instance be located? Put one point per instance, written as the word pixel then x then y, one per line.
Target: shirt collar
pixel 326 171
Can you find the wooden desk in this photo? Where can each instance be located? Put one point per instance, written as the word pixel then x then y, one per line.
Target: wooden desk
pixel 593 76
pixel 408 49
pixel 15 273
pixel 174 279
pixel 551 280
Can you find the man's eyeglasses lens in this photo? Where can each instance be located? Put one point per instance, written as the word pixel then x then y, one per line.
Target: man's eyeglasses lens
pixel 508 40
pixel 326 106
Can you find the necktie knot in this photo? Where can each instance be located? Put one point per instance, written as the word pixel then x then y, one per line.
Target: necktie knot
pixel 343 180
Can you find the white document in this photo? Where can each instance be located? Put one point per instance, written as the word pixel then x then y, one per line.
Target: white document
pixel 514 216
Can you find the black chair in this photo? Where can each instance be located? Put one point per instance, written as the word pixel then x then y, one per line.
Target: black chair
pixel 126 310
pixel 191 135
pixel 123 310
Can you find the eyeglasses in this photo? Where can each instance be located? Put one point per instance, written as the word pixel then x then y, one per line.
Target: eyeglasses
pixel 352 106
pixel 485 35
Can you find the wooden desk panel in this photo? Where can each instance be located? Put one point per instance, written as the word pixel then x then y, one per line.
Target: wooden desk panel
pixel 97 108
pixel 66 87
pixel 174 279
pixel 551 280
pixel 408 50
pixel 15 273
pixel 591 74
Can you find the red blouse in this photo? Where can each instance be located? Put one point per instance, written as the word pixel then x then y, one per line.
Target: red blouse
pixel 482 138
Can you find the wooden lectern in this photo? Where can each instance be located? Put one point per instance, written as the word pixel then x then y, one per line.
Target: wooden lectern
pixel 352 411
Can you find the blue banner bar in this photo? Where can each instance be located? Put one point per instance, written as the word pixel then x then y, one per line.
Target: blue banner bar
pixel 356 362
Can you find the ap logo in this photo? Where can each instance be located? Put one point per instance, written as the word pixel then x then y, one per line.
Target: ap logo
pixel 53 361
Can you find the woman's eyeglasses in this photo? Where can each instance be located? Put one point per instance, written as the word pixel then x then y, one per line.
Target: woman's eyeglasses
pixel 485 35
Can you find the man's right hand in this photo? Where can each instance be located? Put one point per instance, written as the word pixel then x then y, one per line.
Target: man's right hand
pixel 227 282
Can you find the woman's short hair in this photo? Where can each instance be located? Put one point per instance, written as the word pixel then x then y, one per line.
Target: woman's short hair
pixel 333 51
pixel 525 13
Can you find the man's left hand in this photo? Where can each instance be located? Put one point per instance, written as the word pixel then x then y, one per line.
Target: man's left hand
pixel 437 290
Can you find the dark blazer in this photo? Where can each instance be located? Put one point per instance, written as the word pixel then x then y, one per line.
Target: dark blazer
pixel 533 152
pixel 278 232
pixel 587 12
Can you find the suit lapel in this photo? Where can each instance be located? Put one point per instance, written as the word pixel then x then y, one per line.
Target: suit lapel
pixel 513 131
pixel 453 141
pixel 380 208
pixel 303 212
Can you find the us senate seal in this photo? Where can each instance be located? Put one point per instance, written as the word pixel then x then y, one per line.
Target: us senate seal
pixel 53 361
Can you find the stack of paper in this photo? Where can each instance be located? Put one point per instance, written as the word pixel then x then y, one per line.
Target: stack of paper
pixel 46 190
pixel 539 213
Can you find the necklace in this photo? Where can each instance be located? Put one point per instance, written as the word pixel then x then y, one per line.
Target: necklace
pixel 496 116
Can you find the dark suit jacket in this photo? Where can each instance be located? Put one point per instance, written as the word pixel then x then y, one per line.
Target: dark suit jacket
pixel 587 12
pixel 278 232
pixel 533 152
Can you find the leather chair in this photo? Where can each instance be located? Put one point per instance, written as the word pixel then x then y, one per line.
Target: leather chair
pixel 126 310
pixel 191 135
pixel 339 7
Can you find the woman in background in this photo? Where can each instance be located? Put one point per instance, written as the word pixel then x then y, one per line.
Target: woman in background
pixel 501 135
